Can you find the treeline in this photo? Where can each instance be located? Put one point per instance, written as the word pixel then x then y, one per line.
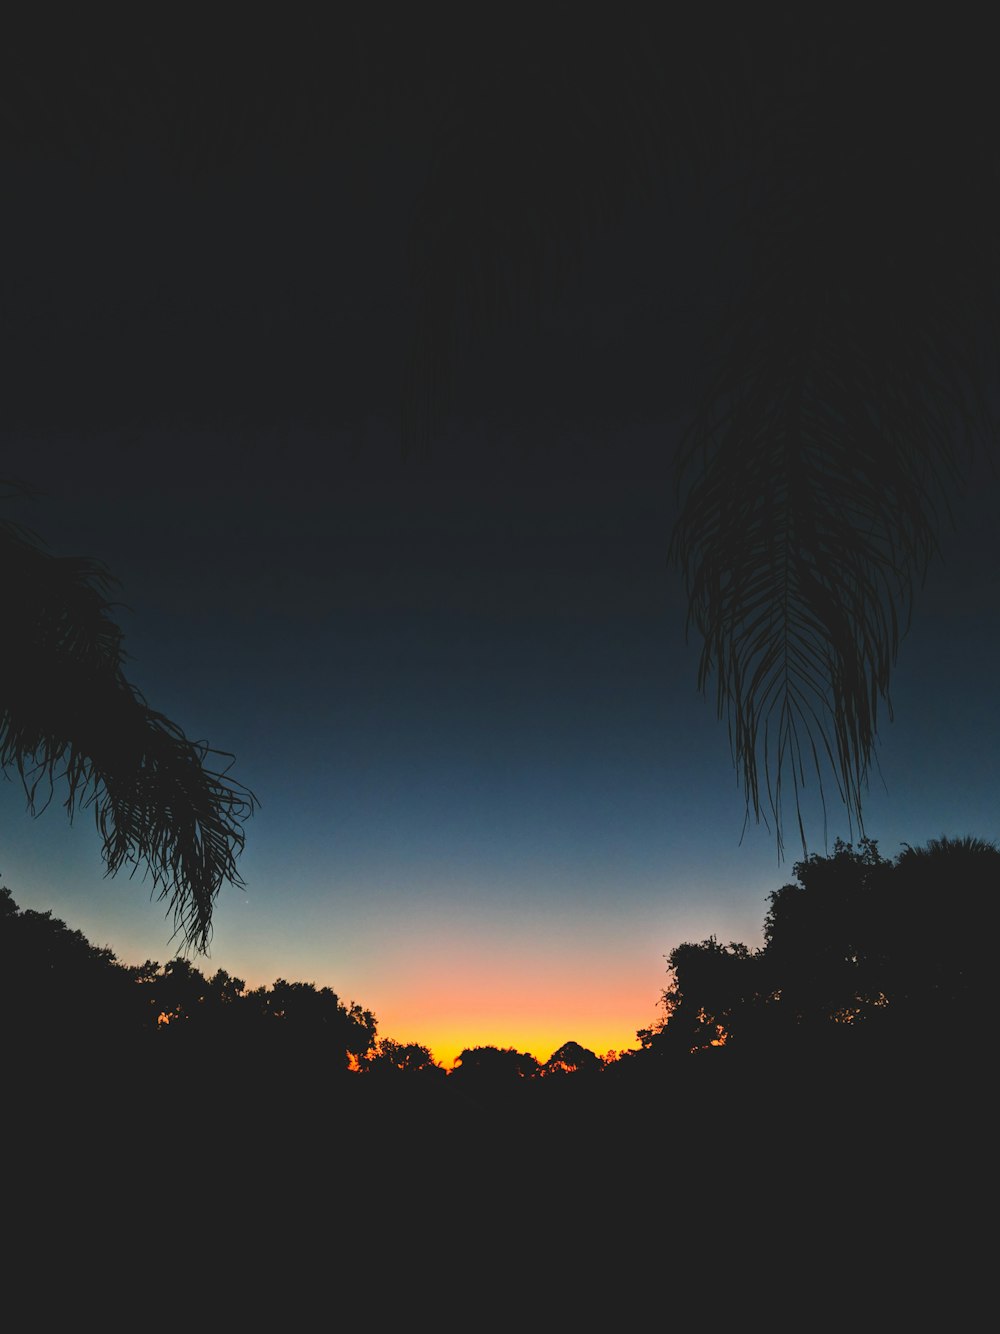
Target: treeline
pixel 861 956
pixel 60 993
pixel 58 989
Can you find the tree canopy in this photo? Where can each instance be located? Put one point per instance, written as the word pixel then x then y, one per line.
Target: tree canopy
pixel 857 949
pixel 57 987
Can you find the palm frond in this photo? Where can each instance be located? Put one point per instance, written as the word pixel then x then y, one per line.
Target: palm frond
pixel 844 387
pixel 162 803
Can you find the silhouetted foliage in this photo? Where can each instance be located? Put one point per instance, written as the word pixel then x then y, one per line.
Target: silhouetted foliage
pixel 858 951
pixel 69 719
pixel 494 1066
pixel 62 1000
pixel 570 1059
pixel 942 969
pixel 390 1058
pixel 55 987
pixel 317 1018
pixel 829 937
pixel 712 985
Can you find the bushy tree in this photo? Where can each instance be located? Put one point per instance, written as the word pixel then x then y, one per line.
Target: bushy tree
pixel 494 1065
pixel 57 991
pixel 316 1018
pixel 571 1059
pixel 830 935
pixel 941 973
pixel 707 1003
pixel 858 951
pixel 389 1057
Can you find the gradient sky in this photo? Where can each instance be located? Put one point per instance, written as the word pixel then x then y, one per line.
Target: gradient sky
pixel 492 799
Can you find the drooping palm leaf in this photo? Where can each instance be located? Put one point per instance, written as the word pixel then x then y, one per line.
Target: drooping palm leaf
pixel 844 385
pixel 68 717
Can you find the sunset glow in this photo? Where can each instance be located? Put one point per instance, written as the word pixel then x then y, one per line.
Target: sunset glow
pixel 380 423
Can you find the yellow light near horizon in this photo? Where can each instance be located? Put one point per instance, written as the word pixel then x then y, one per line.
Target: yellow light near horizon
pixel 540 1042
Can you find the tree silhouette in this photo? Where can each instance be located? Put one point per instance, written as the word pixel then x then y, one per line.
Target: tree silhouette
pixel 180 994
pixel 707 1002
pixel 57 991
pixel 315 1020
pixel 830 939
pixel 572 1058
pixel 494 1066
pixel 68 716
pixel 941 972
pixel 401 1058
pixel 860 954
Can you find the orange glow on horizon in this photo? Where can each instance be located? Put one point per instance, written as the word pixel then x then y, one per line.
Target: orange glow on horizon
pixel 503 985
pixel 540 1042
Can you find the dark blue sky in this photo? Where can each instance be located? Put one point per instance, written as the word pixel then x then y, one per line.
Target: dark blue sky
pixel 492 798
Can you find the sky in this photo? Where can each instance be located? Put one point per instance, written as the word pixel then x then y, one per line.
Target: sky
pixel 492 800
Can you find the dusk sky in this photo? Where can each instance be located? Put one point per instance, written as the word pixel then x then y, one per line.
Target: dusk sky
pixel 491 797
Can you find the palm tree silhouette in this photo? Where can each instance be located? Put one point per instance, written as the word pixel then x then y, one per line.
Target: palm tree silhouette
pixel 69 716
